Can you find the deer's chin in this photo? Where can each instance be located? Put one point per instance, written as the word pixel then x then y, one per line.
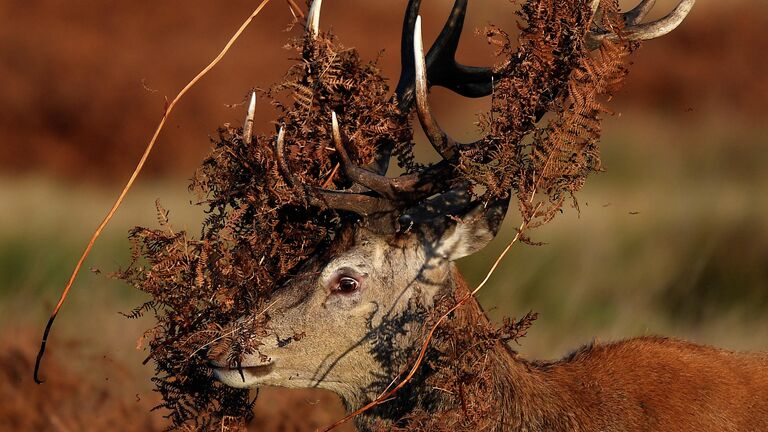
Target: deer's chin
pixel 244 377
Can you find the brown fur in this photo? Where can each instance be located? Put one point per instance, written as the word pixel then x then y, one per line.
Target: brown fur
pixel 639 384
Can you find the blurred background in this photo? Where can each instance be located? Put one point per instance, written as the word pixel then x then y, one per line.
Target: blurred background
pixel 672 239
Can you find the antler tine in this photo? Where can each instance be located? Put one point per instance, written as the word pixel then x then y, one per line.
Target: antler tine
pixel 639 12
pixel 647 31
pixel 404 188
pixel 280 157
pixel 313 18
pixel 361 204
pixel 444 145
pixel 248 125
pixel 361 176
pixel 663 26
pixel 404 91
pixel 445 71
pixel 442 68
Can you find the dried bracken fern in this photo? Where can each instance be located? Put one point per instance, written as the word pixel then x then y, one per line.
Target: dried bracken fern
pixel 258 229
pixel 551 75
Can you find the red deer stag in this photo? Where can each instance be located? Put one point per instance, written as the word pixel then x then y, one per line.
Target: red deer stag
pixel 361 305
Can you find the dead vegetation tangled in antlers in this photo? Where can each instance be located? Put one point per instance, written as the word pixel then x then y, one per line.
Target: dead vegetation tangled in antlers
pixel 551 74
pixel 257 229
pixel 541 143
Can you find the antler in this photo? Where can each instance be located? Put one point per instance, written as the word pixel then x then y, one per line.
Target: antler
pixel 636 31
pixel 440 140
pixel 313 18
pixel 440 61
pixel 385 197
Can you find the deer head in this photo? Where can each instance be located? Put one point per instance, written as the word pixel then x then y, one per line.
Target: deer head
pixel 351 316
pixel 347 320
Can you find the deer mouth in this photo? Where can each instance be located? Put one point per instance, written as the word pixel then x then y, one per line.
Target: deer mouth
pixel 245 375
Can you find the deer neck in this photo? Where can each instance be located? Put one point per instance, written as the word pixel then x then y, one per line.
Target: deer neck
pixel 520 394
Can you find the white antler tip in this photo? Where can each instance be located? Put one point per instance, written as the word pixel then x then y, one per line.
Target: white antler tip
pixel 336 131
pixel 313 18
pixel 248 126
pixel 418 50
pixel 419 61
pixel 417 26
pixel 252 104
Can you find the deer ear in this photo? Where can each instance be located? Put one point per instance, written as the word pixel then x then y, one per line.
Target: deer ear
pixel 471 232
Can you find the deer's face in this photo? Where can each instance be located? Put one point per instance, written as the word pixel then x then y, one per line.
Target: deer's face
pixel 350 316
pixel 326 322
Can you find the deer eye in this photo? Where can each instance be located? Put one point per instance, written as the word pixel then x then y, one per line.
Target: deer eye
pixel 347 285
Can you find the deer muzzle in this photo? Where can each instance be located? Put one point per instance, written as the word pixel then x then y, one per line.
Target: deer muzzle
pixel 243 375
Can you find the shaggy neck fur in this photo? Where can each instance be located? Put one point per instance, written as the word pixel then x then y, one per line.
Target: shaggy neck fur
pixel 520 389
pixel 641 384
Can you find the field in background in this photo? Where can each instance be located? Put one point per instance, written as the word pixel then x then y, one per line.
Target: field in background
pixel 672 239
pixel 83 85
